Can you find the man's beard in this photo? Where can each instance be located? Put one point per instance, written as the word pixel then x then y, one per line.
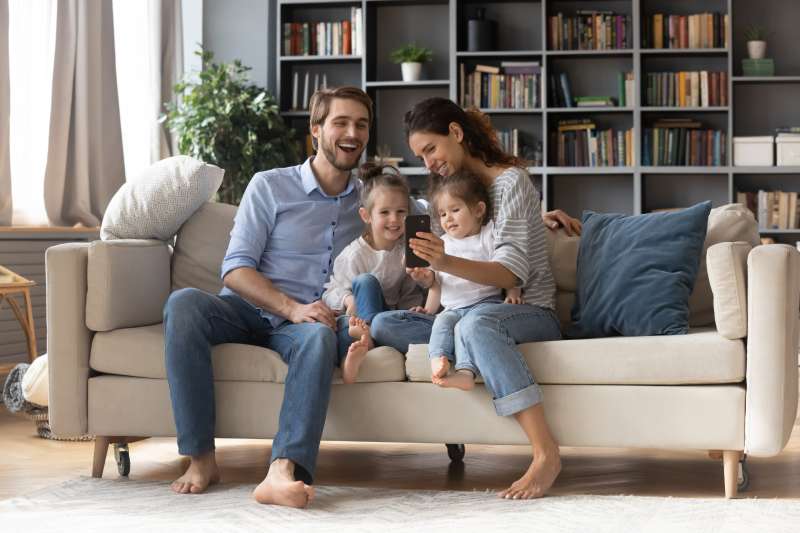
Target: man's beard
pixel 329 151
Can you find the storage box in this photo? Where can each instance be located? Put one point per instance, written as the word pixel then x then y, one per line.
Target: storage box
pixel 753 151
pixel 758 67
pixel 788 148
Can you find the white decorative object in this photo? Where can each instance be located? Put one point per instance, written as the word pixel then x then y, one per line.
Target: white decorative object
pixel 753 151
pixel 411 71
pixel 788 149
pixel 35 383
pixel 756 49
pixel 154 204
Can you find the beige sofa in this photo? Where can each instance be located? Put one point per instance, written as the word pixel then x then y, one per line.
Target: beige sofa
pixel 729 387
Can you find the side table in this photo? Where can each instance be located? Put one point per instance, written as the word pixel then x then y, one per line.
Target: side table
pixel 11 285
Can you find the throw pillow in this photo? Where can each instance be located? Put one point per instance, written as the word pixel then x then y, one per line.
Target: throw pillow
pixel 635 273
pixel 154 204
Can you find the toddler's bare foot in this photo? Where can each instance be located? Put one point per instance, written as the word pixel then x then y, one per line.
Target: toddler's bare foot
pixel 538 479
pixel 280 487
pixel 352 361
pixel 201 473
pixel 439 367
pixel 357 329
pixel 462 379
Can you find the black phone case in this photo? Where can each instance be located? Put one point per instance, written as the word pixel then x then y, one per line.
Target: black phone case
pixel 415 223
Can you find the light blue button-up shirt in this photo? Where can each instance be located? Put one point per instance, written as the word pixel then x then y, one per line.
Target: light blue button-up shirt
pixel 290 231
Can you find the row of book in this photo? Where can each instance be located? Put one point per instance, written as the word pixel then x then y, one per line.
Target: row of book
pixel 590 30
pixel 512 85
pixel 687 89
pixel 772 209
pixel 518 144
pixel 300 100
pixel 578 143
pixel 561 93
pixel 682 142
pixel 324 38
pixel 702 30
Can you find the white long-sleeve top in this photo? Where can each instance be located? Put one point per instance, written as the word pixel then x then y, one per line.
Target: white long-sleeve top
pixel 388 267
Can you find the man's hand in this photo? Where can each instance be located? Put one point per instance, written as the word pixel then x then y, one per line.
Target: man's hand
pixel 423 276
pixel 313 312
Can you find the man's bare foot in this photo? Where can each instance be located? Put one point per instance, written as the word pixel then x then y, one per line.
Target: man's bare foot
pixel 462 379
pixel 439 367
pixel 538 479
pixel 358 329
pixel 201 473
pixel 352 361
pixel 280 487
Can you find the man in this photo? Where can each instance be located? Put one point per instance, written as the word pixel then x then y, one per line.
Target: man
pixel 272 284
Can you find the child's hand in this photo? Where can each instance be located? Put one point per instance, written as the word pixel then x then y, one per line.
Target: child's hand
pixel 349 305
pixel 418 309
pixel 514 296
pixel 423 276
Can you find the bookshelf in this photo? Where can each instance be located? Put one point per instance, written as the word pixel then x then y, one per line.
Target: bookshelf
pixel 754 106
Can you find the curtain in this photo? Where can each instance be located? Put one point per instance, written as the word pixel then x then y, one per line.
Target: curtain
pixel 5 124
pixel 166 47
pixel 85 160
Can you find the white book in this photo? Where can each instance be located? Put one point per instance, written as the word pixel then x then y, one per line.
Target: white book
pixel 316 82
pixel 305 92
pixel 324 81
pixel 359 31
pixel 630 92
pixel 695 88
pixel 294 90
pixel 704 88
pixel 320 38
pixel 337 34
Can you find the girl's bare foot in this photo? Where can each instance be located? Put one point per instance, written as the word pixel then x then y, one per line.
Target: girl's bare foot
pixel 462 379
pixel 357 329
pixel 439 367
pixel 201 473
pixel 538 479
pixel 280 487
pixel 352 361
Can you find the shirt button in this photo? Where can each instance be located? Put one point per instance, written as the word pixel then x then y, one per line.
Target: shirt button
pixel 316 294
pixel 333 223
pixel 324 271
pixel 330 247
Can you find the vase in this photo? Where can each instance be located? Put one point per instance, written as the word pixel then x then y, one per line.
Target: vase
pixel 756 49
pixel 480 32
pixel 411 71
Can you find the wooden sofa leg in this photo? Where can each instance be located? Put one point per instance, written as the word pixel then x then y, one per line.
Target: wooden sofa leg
pixel 100 451
pixel 730 465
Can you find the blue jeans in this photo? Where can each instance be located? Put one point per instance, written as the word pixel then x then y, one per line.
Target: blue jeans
pixel 487 337
pixel 195 320
pixel 443 332
pixel 368 295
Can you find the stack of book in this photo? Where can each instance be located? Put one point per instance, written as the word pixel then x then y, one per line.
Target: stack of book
pixel 687 89
pixel 324 38
pixel 682 142
pixel 703 30
pixel 561 93
pixel 590 30
pixel 772 209
pixel 512 85
pixel 580 144
pixel 509 140
pixel 300 100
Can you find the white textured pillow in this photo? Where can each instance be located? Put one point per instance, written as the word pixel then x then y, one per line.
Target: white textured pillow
pixel 727 274
pixel 35 384
pixel 154 204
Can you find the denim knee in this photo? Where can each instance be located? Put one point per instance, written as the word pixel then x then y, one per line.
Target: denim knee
pixel 185 305
pixel 366 281
pixel 320 342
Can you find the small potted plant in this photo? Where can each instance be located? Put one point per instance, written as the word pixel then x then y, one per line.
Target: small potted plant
pixel 411 57
pixel 756 41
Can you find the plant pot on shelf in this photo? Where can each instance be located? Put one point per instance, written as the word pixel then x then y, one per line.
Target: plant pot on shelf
pixel 756 49
pixel 411 71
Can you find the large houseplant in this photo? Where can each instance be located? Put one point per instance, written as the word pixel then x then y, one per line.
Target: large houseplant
pixel 222 118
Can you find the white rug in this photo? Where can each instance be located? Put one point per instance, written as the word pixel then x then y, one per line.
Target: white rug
pixel 89 505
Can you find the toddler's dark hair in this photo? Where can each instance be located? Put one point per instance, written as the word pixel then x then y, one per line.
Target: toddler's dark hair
pixel 374 176
pixel 464 185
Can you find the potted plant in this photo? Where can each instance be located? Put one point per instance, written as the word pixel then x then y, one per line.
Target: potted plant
pixel 756 41
pixel 223 119
pixel 411 57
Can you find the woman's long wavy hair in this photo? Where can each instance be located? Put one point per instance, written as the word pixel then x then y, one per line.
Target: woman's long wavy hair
pixel 435 114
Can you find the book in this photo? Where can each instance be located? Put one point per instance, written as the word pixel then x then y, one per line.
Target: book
pixel 294 90
pixel 305 92
pixel 488 69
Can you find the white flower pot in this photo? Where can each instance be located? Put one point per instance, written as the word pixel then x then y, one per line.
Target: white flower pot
pixel 756 49
pixel 411 71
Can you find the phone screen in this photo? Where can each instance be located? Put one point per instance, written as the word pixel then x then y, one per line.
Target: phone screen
pixel 415 223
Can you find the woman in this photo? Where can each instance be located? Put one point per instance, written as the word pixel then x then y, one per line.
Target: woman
pixel 449 140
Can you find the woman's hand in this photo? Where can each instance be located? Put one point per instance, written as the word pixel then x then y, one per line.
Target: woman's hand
pixel 423 276
pixel 557 218
pixel 429 247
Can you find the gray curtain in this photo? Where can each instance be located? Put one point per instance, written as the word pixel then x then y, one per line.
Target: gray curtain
pixel 5 111
pixel 84 161
pixel 167 48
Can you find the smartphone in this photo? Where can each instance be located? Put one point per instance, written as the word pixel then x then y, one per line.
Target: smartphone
pixel 415 223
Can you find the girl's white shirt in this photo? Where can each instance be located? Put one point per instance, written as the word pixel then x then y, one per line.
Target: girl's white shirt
pixel 459 292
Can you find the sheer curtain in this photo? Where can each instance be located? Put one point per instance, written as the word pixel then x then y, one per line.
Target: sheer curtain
pixel 31 39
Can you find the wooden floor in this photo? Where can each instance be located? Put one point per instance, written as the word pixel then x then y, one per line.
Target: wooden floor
pixel 28 462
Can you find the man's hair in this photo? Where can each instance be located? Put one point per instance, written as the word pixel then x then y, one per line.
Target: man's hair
pixel 320 105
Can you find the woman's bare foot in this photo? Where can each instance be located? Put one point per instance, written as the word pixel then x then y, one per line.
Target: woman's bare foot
pixel 201 473
pixel 540 476
pixel 352 361
pixel 357 329
pixel 462 379
pixel 280 487
pixel 440 366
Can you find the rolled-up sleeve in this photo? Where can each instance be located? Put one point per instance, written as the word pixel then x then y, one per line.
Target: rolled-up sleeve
pixel 252 226
pixel 511 228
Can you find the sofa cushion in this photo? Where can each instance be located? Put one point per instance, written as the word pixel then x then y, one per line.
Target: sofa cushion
pixel 635 273
pixel 563 253
pixel 154 204
pixel 702 356
pixel 727 273
pixel 200 248
pixel 139 352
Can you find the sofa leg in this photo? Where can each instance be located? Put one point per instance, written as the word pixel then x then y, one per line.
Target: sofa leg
pixel 100 451
pixel 730 465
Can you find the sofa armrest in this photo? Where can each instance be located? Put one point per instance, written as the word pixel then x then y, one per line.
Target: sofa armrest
pixel 128 283
pixel 68 338
pixel 773 296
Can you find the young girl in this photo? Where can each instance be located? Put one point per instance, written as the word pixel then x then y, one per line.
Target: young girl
pixel 369 275
pixel 462 204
